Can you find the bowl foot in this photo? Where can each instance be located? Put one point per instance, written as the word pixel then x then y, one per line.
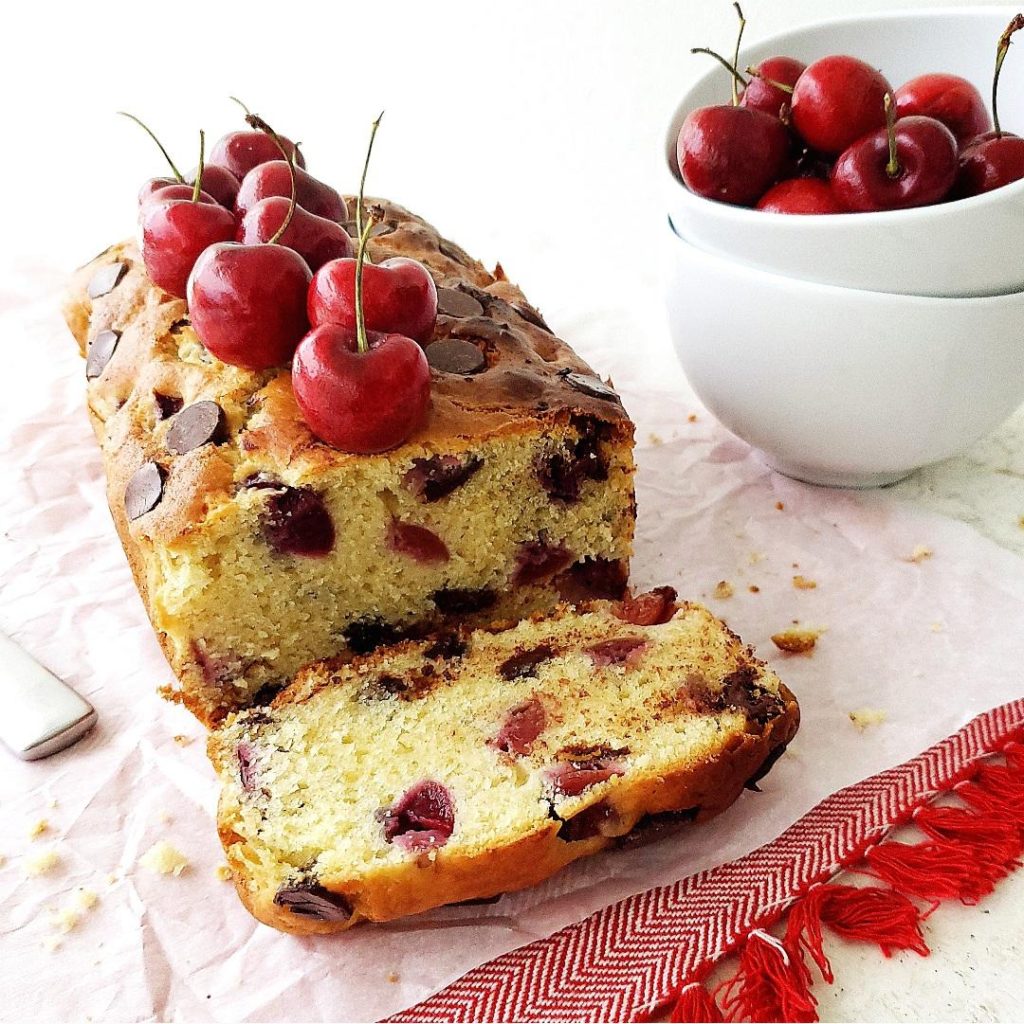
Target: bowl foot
pixel 829 478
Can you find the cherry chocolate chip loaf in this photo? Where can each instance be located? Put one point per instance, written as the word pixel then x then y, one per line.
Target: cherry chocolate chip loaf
pixel 458 768
pixel 258 549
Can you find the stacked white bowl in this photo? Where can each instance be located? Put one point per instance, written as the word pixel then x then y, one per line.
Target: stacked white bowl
pixel 852 349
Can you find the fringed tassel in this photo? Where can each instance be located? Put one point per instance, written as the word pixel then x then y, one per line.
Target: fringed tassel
pixel 933 871
pixel 696 1005
pixel 771 984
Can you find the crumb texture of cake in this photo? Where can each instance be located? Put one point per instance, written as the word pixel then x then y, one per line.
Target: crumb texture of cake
pixel 257 549
pixel 464 766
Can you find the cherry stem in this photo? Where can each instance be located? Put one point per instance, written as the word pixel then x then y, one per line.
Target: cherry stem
pixel 149 131
pixel 781 86
pixel 737 77
pixel 362 342
pixel 1001 51
pixel 736 54
pixel 248 112
pixel 257 122
pixel 198 185
pixel 892 168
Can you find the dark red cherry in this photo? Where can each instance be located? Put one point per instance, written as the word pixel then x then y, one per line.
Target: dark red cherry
pixel 219 182
pixel 732 154
pixel 762 94
pixel 362 402
pixel 918 169
pixel 248 303
pixel 836 101
pixel 948 98
pixel 399 296
pixel 174 233
pixel 176 190
pixel 239 152
pixel 990 162
pixel 273 178
pixel 800 195
pixel 153 185
pixel 316 239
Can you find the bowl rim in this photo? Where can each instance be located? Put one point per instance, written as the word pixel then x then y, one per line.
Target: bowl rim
pixel 828 221
pixel 987 303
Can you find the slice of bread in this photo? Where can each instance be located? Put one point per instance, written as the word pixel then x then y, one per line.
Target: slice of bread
pixel 471 764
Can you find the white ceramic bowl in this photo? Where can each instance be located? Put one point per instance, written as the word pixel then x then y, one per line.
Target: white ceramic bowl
pixel 972 247
pixel 838 386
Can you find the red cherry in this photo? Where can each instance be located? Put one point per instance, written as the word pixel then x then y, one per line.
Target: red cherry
pixel 316 239
pixel 399 296
pixel 836 101
pixel 948 98
pixel 912 162
pixel 274 178
pixel 241 151
pixel 219 182
pixel 175 232
pixel 801 195
pixel 362 402
pixel 732 154
pixel 762 94
pixel 990 162
pixel 248 303
pixel 176 190
pixel 152 185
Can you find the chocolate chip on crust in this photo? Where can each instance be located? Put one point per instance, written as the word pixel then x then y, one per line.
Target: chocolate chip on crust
pixel 588 385
pixel 198 424
pixel 652 827
pixel 167 405
pixel 741 689
pixel 531 316
pixel 144 490
pixel 450 355
pixel 454 252
pixel 308 899
pixel 100 351
pixel 463 600
pixel 524 663
pixel 455 302
pixel 766 766
pixel 106 279
pixel 600 819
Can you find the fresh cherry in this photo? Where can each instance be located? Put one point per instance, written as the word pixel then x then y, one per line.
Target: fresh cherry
pixel 836 101
pixel 948 98
pixel 176 230
pixel 153 185
pixel 219 182
pixel 910 162
pixel 996 158
pixel 361 391
pixel 801 195
pixel 316 239
pixel 399 295
pixel 175 190
pixel 763 90
pixel 274 178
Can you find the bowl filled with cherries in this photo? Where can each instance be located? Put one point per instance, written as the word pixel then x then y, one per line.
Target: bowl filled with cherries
pixel 845 266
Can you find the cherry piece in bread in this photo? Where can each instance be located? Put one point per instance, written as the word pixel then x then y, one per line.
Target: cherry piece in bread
pixel 274 178
pixel 836 101
pixel 801 196
pixel 948 98
pixel 399 296
pixel 316 239
pixel 762 91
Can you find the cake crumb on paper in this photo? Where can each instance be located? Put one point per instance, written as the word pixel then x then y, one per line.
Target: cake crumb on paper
pixel 53 804
pixel 182 740
pixel 52 943
pixel 797 641
pixel 803 583
pixel 66 919
pixel 919 554
pixel 163 859
pixel 937 627
pixel 223 872
pixel 864 718
pixel 723 589
pixel 393 977
pixel 754 588
pixel 85 899
pixel 3 860
pixel 39 828
pixel 755 557
pixel 692 418
pixel 112 879
pixel 42 863
pixel 655 439
pixel 780 506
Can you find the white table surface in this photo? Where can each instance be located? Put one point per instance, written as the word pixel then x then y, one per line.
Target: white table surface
pixel 529 131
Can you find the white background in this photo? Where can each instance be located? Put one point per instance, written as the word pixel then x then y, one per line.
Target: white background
pixel 529 132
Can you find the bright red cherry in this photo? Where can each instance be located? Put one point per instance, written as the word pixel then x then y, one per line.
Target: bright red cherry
pixel 175 232
pixel 762 92
pixel 948 98
pixel 248 303
pixel 399 296
pixel 241 151
pixel 316 239
pixel 274 178
pixel 153 185
pixel 361 402
pixel 801 195
pixel 910 162
pixel 836 101
pixel 175 190
pixel 732 154
pixel 219 182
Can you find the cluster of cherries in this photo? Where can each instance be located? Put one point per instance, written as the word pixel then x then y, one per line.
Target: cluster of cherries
pixel 257 246
pixel 834 137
